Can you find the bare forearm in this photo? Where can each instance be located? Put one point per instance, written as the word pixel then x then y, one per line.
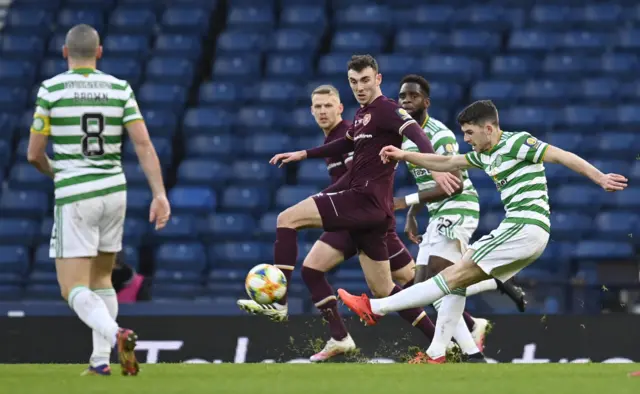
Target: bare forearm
pixel 151 166
pixel 431 161
pixel 414 210
pixel 577 164
pixel 43 164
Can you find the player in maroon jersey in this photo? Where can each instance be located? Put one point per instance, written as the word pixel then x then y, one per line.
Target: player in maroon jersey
pixel 364 207
pixel 334 247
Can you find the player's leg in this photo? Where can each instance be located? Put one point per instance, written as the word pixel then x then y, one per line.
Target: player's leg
pixel 330 250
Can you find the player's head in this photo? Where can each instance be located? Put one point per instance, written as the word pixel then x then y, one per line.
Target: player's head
pixel 82 45
pixel 480 124
pixel 326 106
pixel 414 95
pixel 364 78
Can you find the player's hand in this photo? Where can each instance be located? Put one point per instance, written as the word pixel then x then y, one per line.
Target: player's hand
pixel 612 182
pixel 399 203
pixel 411 229
pixel 447 181
pixel 390 152
pixel 160 211
pixel 288 157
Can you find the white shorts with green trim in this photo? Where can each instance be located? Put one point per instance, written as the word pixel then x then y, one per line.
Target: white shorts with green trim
pixel 447 237
pixel 82 228
pixel 508 249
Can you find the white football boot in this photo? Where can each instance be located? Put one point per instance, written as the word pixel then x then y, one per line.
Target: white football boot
pixel 480 330
pixel 334 348
pixel 274 311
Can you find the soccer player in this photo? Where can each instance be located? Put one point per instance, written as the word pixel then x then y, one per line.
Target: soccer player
pixel 514 160
pixel 365 208
pixel 84 111
pixel 334 247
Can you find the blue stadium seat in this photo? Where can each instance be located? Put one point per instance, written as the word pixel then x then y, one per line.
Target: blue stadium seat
pixel 294 40
pixel 12 99
pixel 127 69
pixel 273 91
pixel 267 226
pixel 444 93
pixel 16 73
pixel 570 226
pixel 162 124
pixel 604 250
pixel 221 93
pixel 397 64
pixel 24 176
pixel 491 18
pixel 550 15
pixel 514 66
pixel 333 65
pixel 14 259
pixel 498 91
pixel 162 96
pixel 256 17
pixel 208 5
pixel 23 145
pixel 371 16
pixel 203 172
pixel 357 41
pixel 54 47
pixel 627 116
pixel 301 121
pixel 127 45
pixel 94 4
pixel 21 47
pixel 138 200
pixel 18 231
pixel 225 275
pixel 629 39
pixel 43 278
pixel 134 173
pixel 131 255
pixel 304 16
pixel 532 41
pixel 547 92
pixel 629 199
pixel 245 68
pixel 185 20
pixel 476 42
pixel 618 143
pixel 569 66
pixel 41 260
pixel 226 289
pixel 182 291
pixel 576 197
pixel 5 156
pixel 7 124
pixel 192 199
pixel 410 40
pixel 251 199
pixel 313 172
pixel 187 256
pixel 23 204
pixel 177 277
pixel 457 68
pixel 603 89
pixel 130 20
pixel 68 17
pixel 258 116
pixel 599 16
pixel 634 172
pixel 170 70
pixel 220 147
pixel 581 115
pixel 256 172
pixel 237 254
pixel 44 232
pixel 265 145
pixel 163 147
pixel 51 67
pixel 528 117
pixel 207 120
pixel 614 225
pixel 584 41
pixel 180 228
pixel 433 15
pixel 29 21
pixel 619 64
pixel 227 227
pixel 288 66
pixel 288 196
pixel 236 40
pixel 183 45
pixel 42 292
pixel 135 231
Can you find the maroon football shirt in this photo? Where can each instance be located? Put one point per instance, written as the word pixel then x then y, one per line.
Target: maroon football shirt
pixel 338 165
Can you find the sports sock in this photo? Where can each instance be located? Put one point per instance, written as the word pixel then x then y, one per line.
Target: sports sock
pixel 461 334
pixel 418 295
pixel 485 285
pixel 324 299
pixel 101 347
pixel 93 312
pixel 285 254
pixel 449 315
pixel 417 317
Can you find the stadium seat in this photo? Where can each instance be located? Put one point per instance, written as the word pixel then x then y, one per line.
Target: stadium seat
pixel 313 172
pixel 274 91
pixel 604 250
pixel 30 21
pixel 162 97
pixel 576 197
pixel 601 89
pixel 238 41
pixel 245 68
pixel 192 199
pixel 23 203
pixel 181 227
pixel 12 99
pixel 258 116
pixel 288 66
pixel 614 225
pixel 7 124
pixel 288 196
pixel 52 67
pixel 258 18
pixel 185 20
pixel 265 145
pixel 24 176
pixel 476 42
pixel 14 259
pixel 44 230
pixel 183 45
pixel 18 231
pixel 227 227
pixel 135 231
pixel 21 47
pixel 304 16
pixel 267 226
pixel 163 124
pixel 170 70
pixel 163 147
pixel 532 41
pixel 514 66
pixel 256 172
pixel 208 5
pixel 570 226
pixel 584 41
pixel 42 292
pixel 222 93
pixel 368 15
pixel 130 20
pixel 207 120
pixel 628 39
pixel 249 199
pixel 94 4
pixel 541 92
pixel 410 40
pixel 126 45
pixel 630 199
pixel 182 291
pixel 221 147
pixel 68 17
pixel 238 254
pixel 138 200
pixel 357 41
pixel 203 172
pixel 177 277
pixel 497 91
pixel 131 255
pixel 458 68
pixel 293 40
pixel 333 65
pixel 41 261
pixel 529 117
pixel 188 256
pixel 125 68
pixel 43 278
pixel 397 64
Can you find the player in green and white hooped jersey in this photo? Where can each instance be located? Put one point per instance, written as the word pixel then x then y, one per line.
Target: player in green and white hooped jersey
pixel 514 160
pixel 452 220
pixel 83 111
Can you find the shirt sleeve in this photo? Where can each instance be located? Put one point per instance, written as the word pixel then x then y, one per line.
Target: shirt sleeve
pixel 131 110
pixel 473 159
pixel 41 121
pixel 528 148
pixel 444 143
pixel 397 118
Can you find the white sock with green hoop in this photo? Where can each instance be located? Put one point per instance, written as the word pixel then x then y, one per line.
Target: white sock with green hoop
pixel 417 296
pixel 93 312
pixel 460 331
pixel 101 347
pixel 485 285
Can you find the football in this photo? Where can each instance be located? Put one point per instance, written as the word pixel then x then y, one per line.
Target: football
pixel 265 284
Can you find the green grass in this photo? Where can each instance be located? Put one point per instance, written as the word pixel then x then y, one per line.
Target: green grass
pixel 327 378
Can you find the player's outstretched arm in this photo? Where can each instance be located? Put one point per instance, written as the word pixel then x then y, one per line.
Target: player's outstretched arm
pixel 433 194
pixel 336 148
pixel 429 161
pixel 609 182
pixel 160 210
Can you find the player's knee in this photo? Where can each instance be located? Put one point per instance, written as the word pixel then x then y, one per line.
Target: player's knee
pixel 285 219
pixel 404 275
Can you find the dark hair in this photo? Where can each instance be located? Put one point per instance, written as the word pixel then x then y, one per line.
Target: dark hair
pixel 479 113
pixel 360 62
pixel 423 83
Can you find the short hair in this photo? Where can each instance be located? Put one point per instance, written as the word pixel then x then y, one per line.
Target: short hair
pixel 326 89
pixel 82 41
pixel 423 83
pixel 478 113
pixel 360 62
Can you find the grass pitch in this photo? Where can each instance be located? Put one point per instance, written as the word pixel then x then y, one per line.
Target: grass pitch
pixel 327 378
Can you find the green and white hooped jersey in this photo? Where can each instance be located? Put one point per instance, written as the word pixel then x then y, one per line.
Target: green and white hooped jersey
pixel 84 112
pixel 444 143
pixel 516 166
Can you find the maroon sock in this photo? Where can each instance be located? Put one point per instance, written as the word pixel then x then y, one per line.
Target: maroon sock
pixel 285 253
pixel 423 322
pixel 324 299
pixel 468 320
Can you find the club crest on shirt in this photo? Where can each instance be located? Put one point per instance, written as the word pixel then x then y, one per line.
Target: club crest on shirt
pixel 366 119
